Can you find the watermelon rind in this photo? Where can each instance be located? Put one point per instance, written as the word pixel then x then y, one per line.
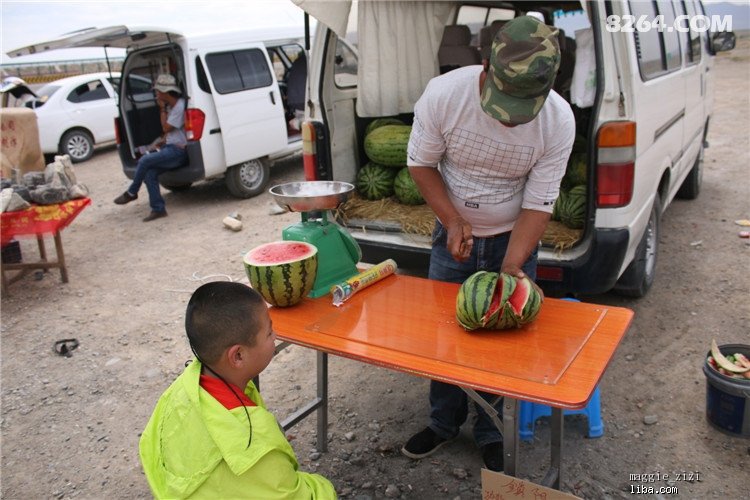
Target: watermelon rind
pixel 406 189
pixel 572 210
pixel 375 182
pixel 387 145
pixel 473 299
pixel 282 281
pixel 381 122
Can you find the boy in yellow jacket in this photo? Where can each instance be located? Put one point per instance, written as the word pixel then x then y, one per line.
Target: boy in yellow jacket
pixel 210 435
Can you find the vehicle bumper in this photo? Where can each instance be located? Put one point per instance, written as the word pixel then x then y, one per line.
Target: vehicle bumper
pixel 193 172
pixel 596 271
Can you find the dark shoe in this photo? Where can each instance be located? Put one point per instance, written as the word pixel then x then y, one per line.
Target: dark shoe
pixel 492 454
pixel 423 444
pixel 154 215
pixel 125 198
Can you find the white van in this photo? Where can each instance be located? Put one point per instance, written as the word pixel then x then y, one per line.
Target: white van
pixel 642 99
pixel 242 89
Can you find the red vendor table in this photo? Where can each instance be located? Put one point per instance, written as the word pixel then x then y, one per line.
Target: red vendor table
pixel 39 220
pixel 408 324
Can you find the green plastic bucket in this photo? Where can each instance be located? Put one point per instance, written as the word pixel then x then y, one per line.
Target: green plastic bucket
pixel 727 398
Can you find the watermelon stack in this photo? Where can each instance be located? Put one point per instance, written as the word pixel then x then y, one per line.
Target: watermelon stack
pixel 380 122
pixel 283 272
pixel 406 189
pixel 375 182
pixel 572 209
pixel 497 301
pixel 387 144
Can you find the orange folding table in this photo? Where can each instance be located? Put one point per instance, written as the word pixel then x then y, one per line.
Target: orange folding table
pixel 408 324
pixel 39 220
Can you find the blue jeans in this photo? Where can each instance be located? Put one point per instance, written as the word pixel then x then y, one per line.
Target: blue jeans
pixel 150 167
pixel 449 403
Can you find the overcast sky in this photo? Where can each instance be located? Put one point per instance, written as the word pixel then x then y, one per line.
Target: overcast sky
pixel 26 22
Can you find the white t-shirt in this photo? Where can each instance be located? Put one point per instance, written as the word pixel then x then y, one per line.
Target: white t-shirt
pixel 176 118
pixel 491 171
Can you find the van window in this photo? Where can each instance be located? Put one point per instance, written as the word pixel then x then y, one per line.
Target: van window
pixel 671 37
pixel 200 73
pixel 91 91
pixel 692 38
pixel 277 63
pixel 476 17
pixel 345 69
pixel 238 70
pixel 647 43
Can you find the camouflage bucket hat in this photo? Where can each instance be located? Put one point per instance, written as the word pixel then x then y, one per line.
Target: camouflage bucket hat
pixel 523 65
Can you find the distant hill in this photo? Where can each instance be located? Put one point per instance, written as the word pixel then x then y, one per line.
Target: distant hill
pixel 740 13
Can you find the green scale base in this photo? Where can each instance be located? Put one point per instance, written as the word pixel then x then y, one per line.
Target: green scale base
pixel 338 252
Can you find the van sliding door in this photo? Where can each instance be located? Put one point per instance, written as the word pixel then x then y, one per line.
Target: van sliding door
pixel 248 103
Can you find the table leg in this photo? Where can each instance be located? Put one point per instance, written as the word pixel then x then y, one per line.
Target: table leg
pixel 61 257
pixel 553 478
pixel 511 410
pixel 42 250
pixel 323 398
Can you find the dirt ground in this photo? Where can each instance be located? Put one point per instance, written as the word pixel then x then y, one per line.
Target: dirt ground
pixel 70 426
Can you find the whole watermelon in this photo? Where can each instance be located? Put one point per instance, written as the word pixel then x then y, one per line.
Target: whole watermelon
pixel 386 145
pixel 375 182
pixel 572 211
pixel 406 189
pixel 558 203
pixel 381 122
pixel 497 301
pixel 283 272
pixel 575 173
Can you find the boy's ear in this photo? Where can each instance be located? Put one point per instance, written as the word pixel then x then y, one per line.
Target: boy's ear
pixel 235 356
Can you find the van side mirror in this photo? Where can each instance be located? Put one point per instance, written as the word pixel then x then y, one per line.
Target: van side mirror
pixel 722 41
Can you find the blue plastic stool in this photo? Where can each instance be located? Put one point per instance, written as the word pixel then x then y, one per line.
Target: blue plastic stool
pixel 531 411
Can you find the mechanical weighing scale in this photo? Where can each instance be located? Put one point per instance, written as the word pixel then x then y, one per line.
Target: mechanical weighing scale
pixel 338 252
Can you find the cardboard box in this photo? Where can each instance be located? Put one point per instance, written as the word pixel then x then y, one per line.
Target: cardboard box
pixel 498 486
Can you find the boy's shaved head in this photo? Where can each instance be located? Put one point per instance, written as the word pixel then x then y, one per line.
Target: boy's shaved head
pixel 221 314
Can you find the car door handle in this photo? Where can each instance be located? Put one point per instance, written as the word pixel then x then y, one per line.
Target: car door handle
pixel 273 99
pixel 214 131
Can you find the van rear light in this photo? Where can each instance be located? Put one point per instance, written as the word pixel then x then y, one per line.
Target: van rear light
pixel 615 168
pixel 549 273
pixel 118 140
pixel 195 120
pixel 309 156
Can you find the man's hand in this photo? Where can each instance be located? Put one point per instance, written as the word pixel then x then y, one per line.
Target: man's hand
pixel 513 270
pixel 460 240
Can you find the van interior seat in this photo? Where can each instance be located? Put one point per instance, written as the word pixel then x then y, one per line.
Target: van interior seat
pixel 567 64
pixel 455 48
pixel 486 36
pixel 295 85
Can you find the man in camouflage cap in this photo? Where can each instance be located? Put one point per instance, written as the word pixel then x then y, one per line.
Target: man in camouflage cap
pixel 488 149
pixel 522 68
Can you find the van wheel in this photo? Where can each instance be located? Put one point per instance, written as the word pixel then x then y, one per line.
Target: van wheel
pixel 78 144
pixel 177 188
pixel 691 186
pixel 639 275
pixel 248 179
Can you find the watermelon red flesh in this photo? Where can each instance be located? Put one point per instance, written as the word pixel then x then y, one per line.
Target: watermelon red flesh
pixel 520 296
pixel 279 252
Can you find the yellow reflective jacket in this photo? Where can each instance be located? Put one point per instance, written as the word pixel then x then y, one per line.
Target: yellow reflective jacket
pixel 193 447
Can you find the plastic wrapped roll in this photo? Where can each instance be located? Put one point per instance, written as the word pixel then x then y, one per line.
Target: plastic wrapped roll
pixel 343 291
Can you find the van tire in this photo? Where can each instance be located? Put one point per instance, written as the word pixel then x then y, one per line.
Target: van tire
pixel 248 179
pixel 639 275
pixel 691 186
pixel 78 144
